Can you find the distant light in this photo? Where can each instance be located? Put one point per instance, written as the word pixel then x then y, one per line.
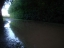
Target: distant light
pixel 7 6
pixel 5 13
pixel 5 10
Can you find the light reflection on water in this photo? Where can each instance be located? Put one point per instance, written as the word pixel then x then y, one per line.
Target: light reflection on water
pixel 7 25
pixel 11 38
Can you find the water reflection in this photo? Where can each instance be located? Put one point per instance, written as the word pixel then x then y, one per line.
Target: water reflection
pixel 11 38
pixel 7 24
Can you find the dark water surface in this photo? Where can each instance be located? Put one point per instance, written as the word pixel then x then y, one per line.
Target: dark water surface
pixel 8 38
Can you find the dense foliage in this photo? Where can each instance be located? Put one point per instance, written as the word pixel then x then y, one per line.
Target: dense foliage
pixel 44 10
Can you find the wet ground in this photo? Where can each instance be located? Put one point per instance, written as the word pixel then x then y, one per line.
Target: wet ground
pixel 8 39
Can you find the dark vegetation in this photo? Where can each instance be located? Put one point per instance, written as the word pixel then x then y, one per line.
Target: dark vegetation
pixel 41 10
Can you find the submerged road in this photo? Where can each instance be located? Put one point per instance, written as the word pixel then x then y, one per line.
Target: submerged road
pixel 34 34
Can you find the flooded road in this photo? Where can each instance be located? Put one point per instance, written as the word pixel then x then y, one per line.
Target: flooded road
pixel 34 34
pixel 8 38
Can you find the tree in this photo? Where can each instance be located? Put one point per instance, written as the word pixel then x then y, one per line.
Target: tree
pixel 44 10
pixel 26 9
pixel 15 9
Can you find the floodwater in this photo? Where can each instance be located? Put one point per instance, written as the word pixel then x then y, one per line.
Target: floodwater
pixel 45 35
pixel 8 38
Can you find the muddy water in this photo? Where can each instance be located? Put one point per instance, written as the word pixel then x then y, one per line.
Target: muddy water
pixel 36 34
